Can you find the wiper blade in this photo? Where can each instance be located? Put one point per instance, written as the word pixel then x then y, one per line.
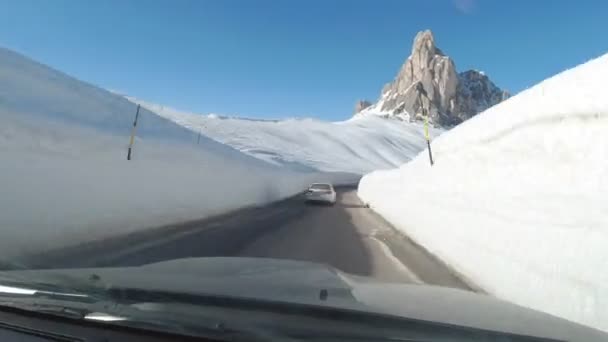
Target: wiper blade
pixel 45 306
pixel 57 286
pixel 15 293
pixel 132 317
pixel 55 310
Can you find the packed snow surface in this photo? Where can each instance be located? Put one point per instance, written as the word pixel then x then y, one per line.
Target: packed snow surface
pixel 517 198
pixel 358 145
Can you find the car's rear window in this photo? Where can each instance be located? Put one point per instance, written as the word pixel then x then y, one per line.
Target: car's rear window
pixel 320 187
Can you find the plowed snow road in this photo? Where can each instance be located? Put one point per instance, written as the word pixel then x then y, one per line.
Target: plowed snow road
pixel 347 236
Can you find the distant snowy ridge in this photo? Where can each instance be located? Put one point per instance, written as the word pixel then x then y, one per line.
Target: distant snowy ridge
pixel 516 200
pixel 359 145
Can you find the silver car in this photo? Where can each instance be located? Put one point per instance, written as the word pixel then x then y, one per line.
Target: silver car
pixel 321 193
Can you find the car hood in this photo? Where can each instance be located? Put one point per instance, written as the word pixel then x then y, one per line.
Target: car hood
pixel 320 285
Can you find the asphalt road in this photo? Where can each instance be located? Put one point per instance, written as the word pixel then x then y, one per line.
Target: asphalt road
pixel 348 236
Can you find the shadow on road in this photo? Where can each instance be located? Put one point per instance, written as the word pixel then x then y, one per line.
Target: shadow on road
pixel 325 234
pixel 352 206
pixel 222 235
pixel 318 204
pixel 288 229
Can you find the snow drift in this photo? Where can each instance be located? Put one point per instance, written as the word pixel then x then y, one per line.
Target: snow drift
pixel 359 145
pixel 516 201
pixel 64 174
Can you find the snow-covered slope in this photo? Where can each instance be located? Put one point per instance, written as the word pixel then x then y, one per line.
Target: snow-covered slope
pixel 517 198
pixel 359 145
pixel 64 174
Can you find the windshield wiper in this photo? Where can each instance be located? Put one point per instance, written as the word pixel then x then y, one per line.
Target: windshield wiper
pixel 55 286
pixel 72 306
pixel 55 310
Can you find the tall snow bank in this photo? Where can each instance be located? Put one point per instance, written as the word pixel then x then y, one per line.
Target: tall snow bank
pixel 64 177
pixel 517 198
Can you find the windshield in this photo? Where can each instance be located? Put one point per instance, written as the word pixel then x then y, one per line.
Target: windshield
pixel 359 156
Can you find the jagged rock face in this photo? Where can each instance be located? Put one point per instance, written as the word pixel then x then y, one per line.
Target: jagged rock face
pixel 428 82
pixel 361 105
pixel 476 93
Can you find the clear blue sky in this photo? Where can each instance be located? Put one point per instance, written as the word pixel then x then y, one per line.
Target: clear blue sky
pixel 280 58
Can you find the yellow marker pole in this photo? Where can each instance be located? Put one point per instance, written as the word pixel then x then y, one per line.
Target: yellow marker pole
pixel 132 140
pixel 427 136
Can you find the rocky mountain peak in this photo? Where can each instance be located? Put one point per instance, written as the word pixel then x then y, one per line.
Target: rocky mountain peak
pixel 428 83
pixel 424 47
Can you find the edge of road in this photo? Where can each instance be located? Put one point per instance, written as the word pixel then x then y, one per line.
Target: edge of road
pixel 459 275
pixel 168 230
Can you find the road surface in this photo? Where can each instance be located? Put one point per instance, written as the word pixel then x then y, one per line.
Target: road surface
pixel 348 236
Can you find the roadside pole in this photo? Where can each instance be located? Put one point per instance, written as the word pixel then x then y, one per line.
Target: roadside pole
pixel 425 114
pixel 132 140
pixel 198 139
pixel 427 136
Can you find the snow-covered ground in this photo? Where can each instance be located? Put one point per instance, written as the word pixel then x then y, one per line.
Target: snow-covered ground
pixel 358 145
pixel 65 178
pixel 517 199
